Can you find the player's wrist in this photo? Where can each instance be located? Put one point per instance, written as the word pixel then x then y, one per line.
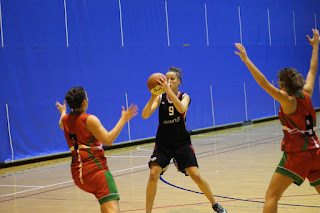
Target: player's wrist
pixel 246 60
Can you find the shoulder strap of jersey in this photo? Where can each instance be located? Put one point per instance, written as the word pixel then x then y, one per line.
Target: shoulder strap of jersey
pixel 182 95
pixel 160 99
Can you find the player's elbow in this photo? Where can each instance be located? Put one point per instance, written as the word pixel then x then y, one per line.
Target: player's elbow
pixel 145 115
pixel 106 139
pixel 182 110
pixel 107 142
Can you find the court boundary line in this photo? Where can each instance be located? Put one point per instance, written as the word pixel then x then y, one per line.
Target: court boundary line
pixel 240 199
pixel 230 198
pixel 145 165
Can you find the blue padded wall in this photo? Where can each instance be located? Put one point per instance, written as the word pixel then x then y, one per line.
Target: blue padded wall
pixel 111 53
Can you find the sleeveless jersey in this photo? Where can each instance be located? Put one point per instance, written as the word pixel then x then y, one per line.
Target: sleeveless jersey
pixel 299 128
pixel 172 124
pixel 85 149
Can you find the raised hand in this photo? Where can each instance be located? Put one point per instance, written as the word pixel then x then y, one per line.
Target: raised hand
pixel 61 108
pixel 242 51
pixel 315 40
pixel 130 112
pixel 164 84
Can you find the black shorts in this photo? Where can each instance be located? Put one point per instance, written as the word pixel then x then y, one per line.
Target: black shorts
pixel 183 157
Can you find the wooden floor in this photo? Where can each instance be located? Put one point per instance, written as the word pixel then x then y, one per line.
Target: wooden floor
pixel 237 163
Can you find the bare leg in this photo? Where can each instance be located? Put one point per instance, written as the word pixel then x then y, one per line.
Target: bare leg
pixel 317 188
pixel 203 185
pixel 154 176
pixel 111 206
pixel 278 184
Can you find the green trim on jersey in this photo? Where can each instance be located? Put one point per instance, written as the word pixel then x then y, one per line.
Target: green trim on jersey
pixel 305 145
pixel 280 169
pixel 315 183
pixel 91 155
pixel 304 148
pixel 283 120
pixel 302 96
pixel 306 141
pixel 287 118
pixel 114 195
pixel 90 141
pixel 293 123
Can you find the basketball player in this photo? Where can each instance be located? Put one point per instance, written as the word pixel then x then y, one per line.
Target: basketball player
pixel 85 135
pixel 173 139
pixel 301 157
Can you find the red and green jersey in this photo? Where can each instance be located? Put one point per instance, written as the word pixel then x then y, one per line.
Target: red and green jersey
pixel 87 152
pixel 299 128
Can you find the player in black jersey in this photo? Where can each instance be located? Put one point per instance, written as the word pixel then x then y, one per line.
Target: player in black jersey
pixel 173 140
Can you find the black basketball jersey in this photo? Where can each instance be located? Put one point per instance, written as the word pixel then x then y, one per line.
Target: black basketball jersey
pixel 172 128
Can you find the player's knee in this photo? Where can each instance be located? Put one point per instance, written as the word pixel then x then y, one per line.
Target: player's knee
pixel 195 177
pixel 154 176
pixel 273 196
pixel 110 207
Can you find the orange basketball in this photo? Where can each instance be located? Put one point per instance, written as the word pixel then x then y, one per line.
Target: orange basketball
pixel 153 83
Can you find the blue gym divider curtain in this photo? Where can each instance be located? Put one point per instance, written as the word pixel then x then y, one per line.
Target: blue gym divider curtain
pixel 112 47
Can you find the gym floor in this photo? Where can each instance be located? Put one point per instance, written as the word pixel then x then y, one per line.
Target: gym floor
pixel 237 163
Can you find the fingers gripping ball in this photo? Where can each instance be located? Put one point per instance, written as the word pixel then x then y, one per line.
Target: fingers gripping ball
pixel 153 84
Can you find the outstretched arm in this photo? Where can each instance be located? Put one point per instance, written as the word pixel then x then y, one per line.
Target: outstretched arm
pixel 311 77
pixel 97 129
pixel 151 106
pixel 277 94
pixel 62 109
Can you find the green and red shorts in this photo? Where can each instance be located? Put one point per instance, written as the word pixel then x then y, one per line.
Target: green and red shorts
pixel 98 180
pixel 301 165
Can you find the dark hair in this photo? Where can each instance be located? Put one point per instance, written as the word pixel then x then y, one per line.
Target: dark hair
pixel 292 80
pixel 177 71
pixel 75 96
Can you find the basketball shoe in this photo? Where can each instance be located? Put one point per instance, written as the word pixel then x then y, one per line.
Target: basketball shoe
pixel 217 208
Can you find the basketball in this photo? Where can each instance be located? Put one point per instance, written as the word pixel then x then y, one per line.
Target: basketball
pixel 153 83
